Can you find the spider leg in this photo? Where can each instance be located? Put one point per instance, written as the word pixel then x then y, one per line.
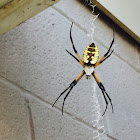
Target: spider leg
pixel 106 103
pixel 103 91
pixel 65 99
pixel 107 54
pixel 74 46
pixel 75 58
pixel 109 99
pixel 60 95
pixel 70 87
pixel 107 57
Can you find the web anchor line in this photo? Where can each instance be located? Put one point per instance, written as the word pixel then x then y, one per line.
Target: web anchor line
pixel 92 19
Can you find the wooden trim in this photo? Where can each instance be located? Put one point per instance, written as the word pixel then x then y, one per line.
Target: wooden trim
pixel 18 11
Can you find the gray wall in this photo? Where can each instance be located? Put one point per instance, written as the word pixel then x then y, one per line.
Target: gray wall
pixel 35 69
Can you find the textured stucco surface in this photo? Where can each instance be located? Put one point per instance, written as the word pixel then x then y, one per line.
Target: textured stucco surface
pixel 34 63
pixel 14 118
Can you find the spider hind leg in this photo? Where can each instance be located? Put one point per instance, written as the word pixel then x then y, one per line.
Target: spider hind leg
pixel 60 95
pixel 70 88
pixel 105 95
pixel 65 99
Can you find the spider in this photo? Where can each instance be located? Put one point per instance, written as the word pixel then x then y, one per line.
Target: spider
pixel 89 62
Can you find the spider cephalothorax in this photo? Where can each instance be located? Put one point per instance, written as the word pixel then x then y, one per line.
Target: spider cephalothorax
pixel 89 62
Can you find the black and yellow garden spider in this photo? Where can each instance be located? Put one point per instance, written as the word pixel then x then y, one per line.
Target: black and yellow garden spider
pixel 89 62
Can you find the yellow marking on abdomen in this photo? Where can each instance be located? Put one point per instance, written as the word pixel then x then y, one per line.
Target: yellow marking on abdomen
pixel 91 54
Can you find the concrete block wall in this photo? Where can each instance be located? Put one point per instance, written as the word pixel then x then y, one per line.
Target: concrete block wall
pixel 35 69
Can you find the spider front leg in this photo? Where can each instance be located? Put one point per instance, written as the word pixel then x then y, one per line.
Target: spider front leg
pixel 103 91
pixel 107 54
pixel 81 61
pixel 70 87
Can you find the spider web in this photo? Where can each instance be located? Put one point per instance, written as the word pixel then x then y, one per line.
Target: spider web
pixel 97 119
pixel 91 20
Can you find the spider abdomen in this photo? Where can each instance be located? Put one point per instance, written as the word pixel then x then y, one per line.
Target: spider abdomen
pixel 91 54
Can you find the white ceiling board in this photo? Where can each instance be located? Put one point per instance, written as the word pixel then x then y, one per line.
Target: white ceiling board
pixel 126 13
